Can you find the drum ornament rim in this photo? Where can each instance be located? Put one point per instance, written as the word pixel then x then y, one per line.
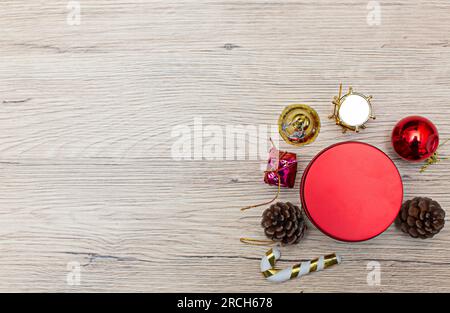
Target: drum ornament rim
pixel 341 101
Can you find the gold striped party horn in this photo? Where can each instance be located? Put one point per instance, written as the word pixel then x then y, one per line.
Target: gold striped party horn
pixel 281 275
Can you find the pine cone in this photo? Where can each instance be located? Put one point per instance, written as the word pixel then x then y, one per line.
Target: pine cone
pixel 284 222
pixel 421 217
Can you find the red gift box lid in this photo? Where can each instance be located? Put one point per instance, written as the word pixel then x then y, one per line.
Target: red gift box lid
pixel 351 191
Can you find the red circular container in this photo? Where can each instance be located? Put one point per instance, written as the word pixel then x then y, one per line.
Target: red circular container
pixel 351 191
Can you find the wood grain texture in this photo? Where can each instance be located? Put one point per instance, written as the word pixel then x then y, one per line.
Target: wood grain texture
pixel 85 149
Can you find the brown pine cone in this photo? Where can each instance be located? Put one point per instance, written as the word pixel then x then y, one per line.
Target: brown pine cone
pixel 421 217
pixel 284 222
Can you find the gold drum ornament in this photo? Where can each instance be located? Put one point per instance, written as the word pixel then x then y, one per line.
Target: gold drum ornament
pixel 352 110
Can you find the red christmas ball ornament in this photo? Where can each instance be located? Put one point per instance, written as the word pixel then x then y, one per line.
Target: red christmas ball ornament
pixel 415 138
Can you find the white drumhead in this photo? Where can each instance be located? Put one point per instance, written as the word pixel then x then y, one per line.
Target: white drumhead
pixel 354 110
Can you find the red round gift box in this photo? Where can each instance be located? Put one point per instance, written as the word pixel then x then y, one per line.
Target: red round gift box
pixel 351 191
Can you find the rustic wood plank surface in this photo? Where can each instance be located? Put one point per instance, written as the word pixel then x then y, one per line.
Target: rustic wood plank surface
pixel 87 110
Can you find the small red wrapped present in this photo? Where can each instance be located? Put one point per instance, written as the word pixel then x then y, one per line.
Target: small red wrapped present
pixel 281 165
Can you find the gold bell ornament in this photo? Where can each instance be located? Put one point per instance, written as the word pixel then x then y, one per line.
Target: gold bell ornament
pixel 299 124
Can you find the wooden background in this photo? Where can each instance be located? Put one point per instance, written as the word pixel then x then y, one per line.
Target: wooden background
pixel 86 114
